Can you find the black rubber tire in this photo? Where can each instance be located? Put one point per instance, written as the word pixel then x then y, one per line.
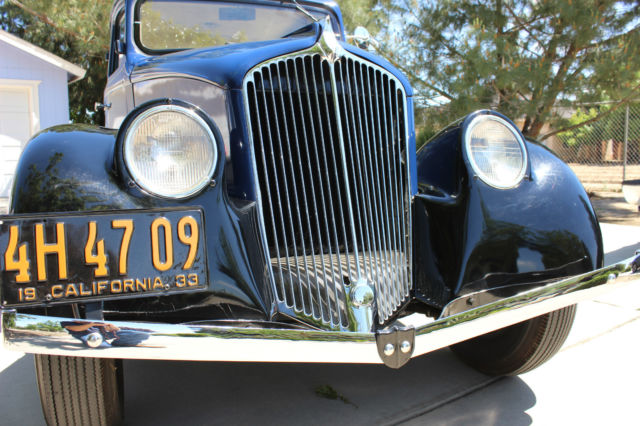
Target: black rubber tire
pixel 80 391
pixel 518 348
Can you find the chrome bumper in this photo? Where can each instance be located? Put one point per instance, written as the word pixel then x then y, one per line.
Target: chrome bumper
pixel 46 335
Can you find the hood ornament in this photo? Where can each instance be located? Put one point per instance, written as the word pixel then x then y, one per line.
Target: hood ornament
pixel 328 42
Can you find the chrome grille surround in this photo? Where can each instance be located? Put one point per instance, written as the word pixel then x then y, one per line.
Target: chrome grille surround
pixel 329 142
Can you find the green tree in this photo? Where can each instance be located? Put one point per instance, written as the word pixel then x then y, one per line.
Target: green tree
pixel 519 57
pixel 610 125
pixel 583 133
pixel 363 13
pixel 76 30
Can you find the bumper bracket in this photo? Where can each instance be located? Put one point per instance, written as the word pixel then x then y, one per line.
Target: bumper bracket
pixel 395 345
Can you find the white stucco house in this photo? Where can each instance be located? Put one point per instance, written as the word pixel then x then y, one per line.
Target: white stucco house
pixel 33 96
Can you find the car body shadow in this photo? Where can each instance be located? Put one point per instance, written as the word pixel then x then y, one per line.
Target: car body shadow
pixel 159 392
pixel 429 390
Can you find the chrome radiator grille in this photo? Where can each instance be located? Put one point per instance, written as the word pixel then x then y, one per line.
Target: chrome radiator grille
pixel 329 141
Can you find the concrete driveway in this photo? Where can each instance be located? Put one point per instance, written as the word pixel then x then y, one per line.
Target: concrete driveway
pixel 593 380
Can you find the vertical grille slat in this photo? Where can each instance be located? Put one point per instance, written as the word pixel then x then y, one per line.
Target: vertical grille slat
pixel 396 206
pixel 339 217
pixel 386 212
pixel 388 186
pixel 307 180
pixel 279 109
pixel 406 205
pixel 291 118
pixel 334 249
pixel 264 171
pixel 356 182
pixel 324 310
pixel 317 309
pixel 363 151
pixel 328 139
pixel 282 184
pixel 383 296
pixel 325 183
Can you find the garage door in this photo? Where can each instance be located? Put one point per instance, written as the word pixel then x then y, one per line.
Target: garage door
pixel 15 131
pixel 14 113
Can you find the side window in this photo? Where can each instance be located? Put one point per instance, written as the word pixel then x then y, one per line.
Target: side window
pixel 117 42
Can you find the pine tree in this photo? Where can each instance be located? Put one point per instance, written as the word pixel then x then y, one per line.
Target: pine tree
pixel 522 58
pixel 362 13
pixel 76 30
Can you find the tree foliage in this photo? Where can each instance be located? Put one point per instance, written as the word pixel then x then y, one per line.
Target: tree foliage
pixel 76 30
pixel 609 126
pixel 519 57
pixel 522 58
pixel 363 13
pixel 583 133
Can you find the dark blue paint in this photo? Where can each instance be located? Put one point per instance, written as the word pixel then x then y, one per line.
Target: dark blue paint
pixel 467 235
pixel 73 168
pixel 470 232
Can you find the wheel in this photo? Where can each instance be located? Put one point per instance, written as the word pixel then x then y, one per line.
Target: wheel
pixel 518 348
pixel 80 391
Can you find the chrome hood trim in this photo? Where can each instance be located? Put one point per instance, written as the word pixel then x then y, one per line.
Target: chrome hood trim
pixel 30 333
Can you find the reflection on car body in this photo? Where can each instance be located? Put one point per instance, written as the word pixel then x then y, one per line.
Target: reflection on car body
pixel 96 334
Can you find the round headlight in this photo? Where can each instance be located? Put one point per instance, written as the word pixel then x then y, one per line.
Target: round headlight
pixel 496 151
pixel 170 151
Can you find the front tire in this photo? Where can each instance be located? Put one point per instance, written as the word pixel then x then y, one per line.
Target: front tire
pixel 518 348
pixel 80 391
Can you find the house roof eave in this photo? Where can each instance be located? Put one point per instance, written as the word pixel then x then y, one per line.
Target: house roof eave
pixel 74 72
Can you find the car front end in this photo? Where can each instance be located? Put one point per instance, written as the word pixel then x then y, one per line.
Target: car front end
pixel 260 198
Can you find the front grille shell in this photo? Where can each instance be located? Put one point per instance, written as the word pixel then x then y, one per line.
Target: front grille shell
pixel 329 142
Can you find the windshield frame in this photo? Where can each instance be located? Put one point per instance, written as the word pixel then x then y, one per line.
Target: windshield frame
pixel 136 21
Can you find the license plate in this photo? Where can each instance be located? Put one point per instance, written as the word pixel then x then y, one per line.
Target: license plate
pixel 93 256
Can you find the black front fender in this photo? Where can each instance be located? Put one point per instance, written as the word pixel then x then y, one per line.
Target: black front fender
pixel 470 236
pixel 71 168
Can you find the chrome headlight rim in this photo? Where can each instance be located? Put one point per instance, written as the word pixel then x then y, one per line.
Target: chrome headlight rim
pixel 481 116
pixel 147 109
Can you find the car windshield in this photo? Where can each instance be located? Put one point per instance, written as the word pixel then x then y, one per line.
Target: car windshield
pixel 166 25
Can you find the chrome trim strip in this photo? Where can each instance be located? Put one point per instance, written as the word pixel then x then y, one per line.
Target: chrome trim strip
pixel 245 93
pixel 32 333
pixel 407 232
pixel 157 75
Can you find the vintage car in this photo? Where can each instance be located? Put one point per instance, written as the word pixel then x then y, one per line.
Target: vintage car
pixel 256 195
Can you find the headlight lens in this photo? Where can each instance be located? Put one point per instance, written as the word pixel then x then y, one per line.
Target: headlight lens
pixel 496 151
pixel 170 151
